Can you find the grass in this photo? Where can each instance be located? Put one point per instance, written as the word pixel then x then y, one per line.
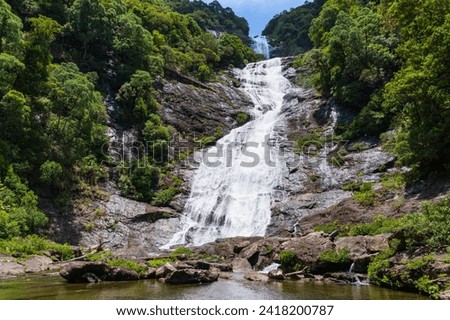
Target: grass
pixel 156 263
pixel 23 248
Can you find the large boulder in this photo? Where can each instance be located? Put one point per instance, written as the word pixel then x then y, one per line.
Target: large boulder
pixel 260 252
pixel 83 272
pixel 307 249
pixel 10 268
pixel 164 270
pixel 363 248
pixel 241 265
pixel 191 276
pixel 36 264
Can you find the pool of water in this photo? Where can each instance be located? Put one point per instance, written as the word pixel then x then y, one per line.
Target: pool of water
pixel 56 288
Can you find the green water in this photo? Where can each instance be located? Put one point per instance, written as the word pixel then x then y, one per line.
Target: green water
pixel 55 288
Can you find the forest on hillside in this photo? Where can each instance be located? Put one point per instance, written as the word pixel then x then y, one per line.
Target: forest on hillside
pixel 59 61
pixel 388 61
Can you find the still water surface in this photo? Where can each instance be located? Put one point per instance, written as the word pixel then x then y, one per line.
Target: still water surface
pixel 55 288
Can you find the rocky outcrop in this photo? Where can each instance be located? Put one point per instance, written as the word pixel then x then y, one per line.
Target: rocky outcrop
pixel 37 264
pixel 84 272
pixel 10 268
pixel 256 277
pixel 197 112
pixel 307 249
pixel 363 248
pixel 191 276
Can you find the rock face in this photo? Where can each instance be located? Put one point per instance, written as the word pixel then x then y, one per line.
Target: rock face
pixel 276 274
pixel 316 170
pixel 81 272
pixel 363 248
pixel 307 249
pixel 191 276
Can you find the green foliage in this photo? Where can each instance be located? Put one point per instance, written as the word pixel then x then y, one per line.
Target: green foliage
pixel 210 140
pixel 420 263
pixel 378 267
pixel 163 197
pixel 156 263
pixel 129 264
pixel 182 251
pixel 366 195
pixel 288 31
pixel 380 224
pixel 242 118
pixel 393 182
pixel 335 257
pixel 19 213
pixel 23 247
pixel 289 262
pixel 329 227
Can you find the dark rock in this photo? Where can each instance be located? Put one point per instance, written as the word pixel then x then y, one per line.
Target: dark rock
pixel 80 272
pixel 197 264
pixel 191 276
pixel 151 273
pixel 256 277
pixel 223 267
pixel 277 274
pixel 90 278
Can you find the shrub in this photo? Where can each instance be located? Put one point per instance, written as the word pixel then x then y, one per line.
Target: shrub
pixel 35 245
pixel 242 118
pixel 365 196
pixel 164 197
pixel 336 257
pixel 289 262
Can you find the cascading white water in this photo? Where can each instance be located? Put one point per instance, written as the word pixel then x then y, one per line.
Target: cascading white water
pixel 261 45
pixel 232 191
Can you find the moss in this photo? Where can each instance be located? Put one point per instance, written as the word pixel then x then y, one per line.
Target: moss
pixel 335 257
pixel 242 118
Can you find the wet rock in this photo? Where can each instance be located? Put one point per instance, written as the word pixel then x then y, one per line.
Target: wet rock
pixel 241 265
pixel 37 264
pixel 277 274
pixel 164 270
pixel 191 276
pixel 256 277
pixel 80 272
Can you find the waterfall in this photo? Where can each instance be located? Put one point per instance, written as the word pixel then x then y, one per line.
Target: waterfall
pixel 232 191
pixel 261 45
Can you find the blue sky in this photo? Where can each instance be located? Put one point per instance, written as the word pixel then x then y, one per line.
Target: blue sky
pixel 258 12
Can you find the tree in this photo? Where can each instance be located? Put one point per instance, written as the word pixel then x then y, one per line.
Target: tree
pixel 10 30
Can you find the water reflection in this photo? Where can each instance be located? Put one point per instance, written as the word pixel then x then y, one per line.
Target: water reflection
pixel 49 288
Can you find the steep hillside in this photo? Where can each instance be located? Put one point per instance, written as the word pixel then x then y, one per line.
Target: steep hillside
pixel 81 78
